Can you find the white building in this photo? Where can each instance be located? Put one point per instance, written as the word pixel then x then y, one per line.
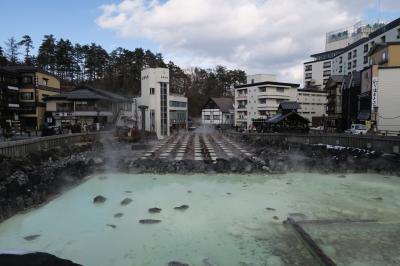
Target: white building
pixel 352 57
pixel 261 99
pixel 164 112
pixel 218 111
pixel 312 104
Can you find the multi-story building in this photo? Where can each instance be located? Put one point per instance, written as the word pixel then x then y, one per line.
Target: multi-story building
pixel 312 104
pixel 9 103
pixel 218 111
pixel 380 87
pixel 163 112
pixel 334 88
pixel 35 85
pixel 261 99
pixel 87 106
pixel 353 57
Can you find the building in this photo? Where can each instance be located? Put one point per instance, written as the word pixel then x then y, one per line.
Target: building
pixel 313 102
pixel 286 119
pixel 9 103
pixel 350 58
pixel 261 99
pixel 160 111
pixel 351 89
pixel 35 84
pixel 380 93
pixel 334 119
pixel 218 111
pixel 87 106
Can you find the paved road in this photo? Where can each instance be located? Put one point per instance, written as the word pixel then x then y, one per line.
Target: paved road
pixel 198 147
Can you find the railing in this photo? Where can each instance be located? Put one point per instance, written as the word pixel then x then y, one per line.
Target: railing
pixel 21 148
pixel 378 143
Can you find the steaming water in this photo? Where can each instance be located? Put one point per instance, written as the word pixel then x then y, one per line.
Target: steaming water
pixel 227 222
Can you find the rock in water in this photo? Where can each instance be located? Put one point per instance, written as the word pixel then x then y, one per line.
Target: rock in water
pixel 31 237
pixel 118 215
pixel 177 263
pixel 271 209
pixel 154 210
pixel 99 199
pixel 112 226
pixel 182 207
pixel 149 221
pixel 126 201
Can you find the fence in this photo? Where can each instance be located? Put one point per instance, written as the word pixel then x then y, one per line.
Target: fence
pixel 384 144
pixel 21 148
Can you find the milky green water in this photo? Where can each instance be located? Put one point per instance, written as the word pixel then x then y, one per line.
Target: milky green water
pixel 227 222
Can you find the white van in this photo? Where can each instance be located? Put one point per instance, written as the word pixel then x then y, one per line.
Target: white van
pixel 358 129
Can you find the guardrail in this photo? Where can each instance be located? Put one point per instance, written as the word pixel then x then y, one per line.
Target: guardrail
pixel 372 142
pixel 21 148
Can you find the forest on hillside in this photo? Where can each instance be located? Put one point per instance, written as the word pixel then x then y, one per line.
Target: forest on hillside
pixel 119 70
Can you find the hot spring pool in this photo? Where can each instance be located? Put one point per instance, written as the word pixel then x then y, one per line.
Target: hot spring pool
pixel 227 222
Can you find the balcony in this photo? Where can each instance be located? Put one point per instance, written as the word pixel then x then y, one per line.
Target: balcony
pixel 242 106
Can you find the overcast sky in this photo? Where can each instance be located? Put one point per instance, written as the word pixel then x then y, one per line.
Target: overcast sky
pixel 259 36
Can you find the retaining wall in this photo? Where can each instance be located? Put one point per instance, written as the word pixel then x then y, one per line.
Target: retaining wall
pixel 378 143
pixel 21 148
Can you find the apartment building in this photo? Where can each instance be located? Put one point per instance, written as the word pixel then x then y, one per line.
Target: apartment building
pixel 352 57
pixel 312 104
pixel 9 103
pixel 35 84
pixel 261 98
pixel 160 111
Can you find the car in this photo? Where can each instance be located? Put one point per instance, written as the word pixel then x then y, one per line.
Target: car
pixel 358 129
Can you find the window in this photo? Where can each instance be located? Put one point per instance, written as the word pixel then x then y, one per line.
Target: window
pixel 348 65
pixel 308 75
pixel 340 60
pixel 216 117
pixel 27 80
pixel 354 53
pixel 262 89
pixel 206 117
pixel 164 108
pixel 384 57
pixel 372 43
pixel 349 55
pixel 354 63
pixel 327 73
pixel 152 91
pixel 398 33
pixel 340 69
pixel 383 39
pixel 327 64
pixel 252 81
pixel 45 82
pixel 308 67
pixel 366 48
pixel 177 104
pixel 280 90
pixel 26 96
pixel 365 59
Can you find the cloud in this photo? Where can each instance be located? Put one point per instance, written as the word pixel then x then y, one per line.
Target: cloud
pixel 259 36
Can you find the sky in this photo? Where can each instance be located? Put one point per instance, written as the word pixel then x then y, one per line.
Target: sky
pixel 258 36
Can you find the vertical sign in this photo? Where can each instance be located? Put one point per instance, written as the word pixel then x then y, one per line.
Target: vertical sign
pixel 374 93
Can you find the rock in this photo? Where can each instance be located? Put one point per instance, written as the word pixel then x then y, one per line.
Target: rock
pixel 99 199
pixel 118 215
pixel 275 218
pixel 154 210
pixel 189 191
pixel 128 191
pixel 266 169
pixel 228 193
pixel 113 226
pixel 177 263
pixel 271 209
pixel 341 176
pixel 126 201
pixel 31 237
pixel 98 160
pixel 149 221
pixel 182 207
pixel 378 198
